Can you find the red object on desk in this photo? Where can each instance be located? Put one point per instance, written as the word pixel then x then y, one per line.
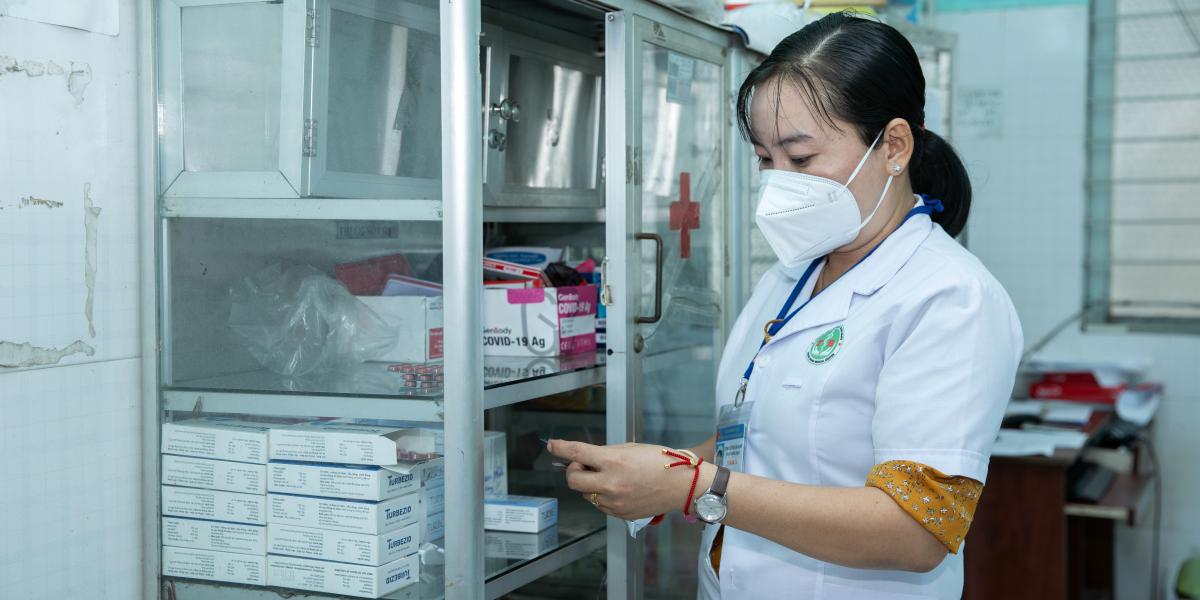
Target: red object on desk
pixel 368 277
pixel 1074 386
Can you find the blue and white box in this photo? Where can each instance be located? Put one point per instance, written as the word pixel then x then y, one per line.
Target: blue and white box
pixel 361 581
pixel 523 514
pixel 350 443
pixel 342 546
pixel 238 538
pixel 355 516
pixel 217 437
pixel 433 499
pixel 508 544
pixel 209 473
pixel 354 482
pixel 214 505
pixel 249 569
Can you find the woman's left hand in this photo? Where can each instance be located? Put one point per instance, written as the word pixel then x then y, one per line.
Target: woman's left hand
pixel 627 481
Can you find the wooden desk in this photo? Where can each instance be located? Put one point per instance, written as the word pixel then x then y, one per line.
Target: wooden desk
pixel 1028 542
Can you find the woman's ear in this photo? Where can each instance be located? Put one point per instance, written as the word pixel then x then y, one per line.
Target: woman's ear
pixel 898 143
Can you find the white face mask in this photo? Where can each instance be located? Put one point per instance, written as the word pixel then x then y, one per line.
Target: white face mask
pixel 805 217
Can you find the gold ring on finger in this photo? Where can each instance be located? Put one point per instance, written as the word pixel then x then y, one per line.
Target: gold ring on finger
pixel 595 499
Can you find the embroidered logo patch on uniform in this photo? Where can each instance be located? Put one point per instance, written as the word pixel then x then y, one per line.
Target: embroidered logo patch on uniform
pixel 826 346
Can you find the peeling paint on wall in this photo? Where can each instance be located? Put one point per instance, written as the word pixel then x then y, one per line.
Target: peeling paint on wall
pixel 78 76
pixel 35 201
pixel 91 221
pixel 78 80
pixel 33 68
pixel 13 355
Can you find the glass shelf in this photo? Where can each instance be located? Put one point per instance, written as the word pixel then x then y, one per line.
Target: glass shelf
pixel 580 531
pixel 372 391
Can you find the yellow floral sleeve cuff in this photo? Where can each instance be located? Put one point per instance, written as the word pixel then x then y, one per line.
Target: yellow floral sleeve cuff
pixel 943 505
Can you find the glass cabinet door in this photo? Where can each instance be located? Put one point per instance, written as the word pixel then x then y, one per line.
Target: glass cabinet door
pixel 376 100
pixel 231 97
pixel 673 323
pixel 544 124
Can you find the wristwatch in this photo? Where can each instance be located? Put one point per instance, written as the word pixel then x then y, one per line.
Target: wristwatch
pixel 711 506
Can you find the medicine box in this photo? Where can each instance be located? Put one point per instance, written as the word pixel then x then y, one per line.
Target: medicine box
pixel 215 566
pixel 523 514
pixel 434 527
pixel 346 443
pixel 539 321
pixel 355 482
pixel 214 505
pixel 508 544
pixel 341 578
pixel 417 321
pixel 341 546
pixel 356 516
pixel 217 437
pixel 214 474
pixel 214 535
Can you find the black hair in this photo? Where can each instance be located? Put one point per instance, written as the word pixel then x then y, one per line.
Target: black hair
pixel 866 73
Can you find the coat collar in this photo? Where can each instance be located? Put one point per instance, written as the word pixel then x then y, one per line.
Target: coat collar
pixel 833 304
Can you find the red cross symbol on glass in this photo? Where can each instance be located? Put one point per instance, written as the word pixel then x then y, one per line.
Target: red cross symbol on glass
pixel 685 215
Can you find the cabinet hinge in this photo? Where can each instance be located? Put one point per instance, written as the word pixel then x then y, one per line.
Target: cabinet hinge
pixel 311 30
pixel 310 137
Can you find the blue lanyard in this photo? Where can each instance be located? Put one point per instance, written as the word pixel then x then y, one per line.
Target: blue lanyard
pixel 774 326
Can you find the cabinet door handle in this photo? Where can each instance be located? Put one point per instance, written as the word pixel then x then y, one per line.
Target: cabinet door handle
pixel 658 276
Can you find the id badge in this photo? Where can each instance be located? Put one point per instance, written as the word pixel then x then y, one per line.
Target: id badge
pixel 733 427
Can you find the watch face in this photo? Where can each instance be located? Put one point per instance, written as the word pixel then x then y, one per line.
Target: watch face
pixel 710 508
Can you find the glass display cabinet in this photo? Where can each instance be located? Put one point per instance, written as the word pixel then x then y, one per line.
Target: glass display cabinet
pixel 329 174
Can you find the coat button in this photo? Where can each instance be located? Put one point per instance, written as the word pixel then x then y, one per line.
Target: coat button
pixel 763 361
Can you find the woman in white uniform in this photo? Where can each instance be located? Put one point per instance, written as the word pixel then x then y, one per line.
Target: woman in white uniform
pixel 864 383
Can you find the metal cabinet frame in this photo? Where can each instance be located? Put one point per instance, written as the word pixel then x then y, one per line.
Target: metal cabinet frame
pixel 462 213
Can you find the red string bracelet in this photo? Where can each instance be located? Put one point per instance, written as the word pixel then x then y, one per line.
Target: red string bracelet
pixel 685 458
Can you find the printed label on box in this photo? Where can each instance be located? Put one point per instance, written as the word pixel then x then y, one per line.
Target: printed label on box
pixel 525 514
pixel 357 516
pixel 214 474
pixel 345 443
pixel 214 505
pixel 215 437
pixel 341 578
pixel 214 566
pixel 214 535
pixel 342 546
pixel 435 527
pixel 356 482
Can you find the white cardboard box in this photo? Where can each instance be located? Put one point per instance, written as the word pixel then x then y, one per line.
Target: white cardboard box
pixel 217 437
pixel 348 443
pixel 216 566
pixel 341 546
pixel 214 535
pixel 208 473
pixel 355 516
pixel 435 527
pixel 508 544
pixel 539 321
pixel 355 482
pixel 523 514
pixel 214 505
pixel 418 321
pixel 341 578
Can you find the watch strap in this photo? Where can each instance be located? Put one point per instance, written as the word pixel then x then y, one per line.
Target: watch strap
pixel 720 482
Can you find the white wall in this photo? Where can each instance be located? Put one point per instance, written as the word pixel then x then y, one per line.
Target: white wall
pixel 1027 226
pixel 70 508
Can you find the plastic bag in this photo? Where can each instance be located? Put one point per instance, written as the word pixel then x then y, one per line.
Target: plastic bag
pixel 297 320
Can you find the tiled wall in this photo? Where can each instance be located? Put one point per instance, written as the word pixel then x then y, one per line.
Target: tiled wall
pixel 1027 226
pixel 70 467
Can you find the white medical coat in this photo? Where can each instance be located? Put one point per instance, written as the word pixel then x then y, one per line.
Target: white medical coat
pixel 930 351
